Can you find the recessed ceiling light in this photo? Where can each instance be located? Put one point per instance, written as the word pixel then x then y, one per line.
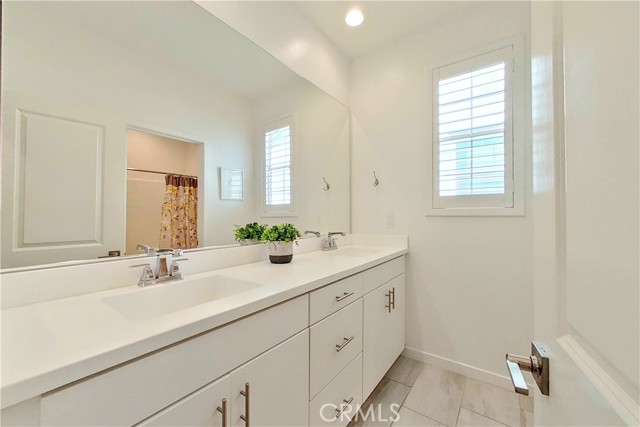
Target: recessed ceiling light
pixel 354 18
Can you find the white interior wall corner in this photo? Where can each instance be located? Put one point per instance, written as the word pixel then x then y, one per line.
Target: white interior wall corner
pixel 285 33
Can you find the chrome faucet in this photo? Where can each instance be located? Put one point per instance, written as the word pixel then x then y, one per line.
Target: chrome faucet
pixel 329 244
pixel 162 273
pixel 148 249
pixel 315 233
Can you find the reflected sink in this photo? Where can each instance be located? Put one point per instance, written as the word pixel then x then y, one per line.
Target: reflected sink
pixel 161 299
pixel 356 252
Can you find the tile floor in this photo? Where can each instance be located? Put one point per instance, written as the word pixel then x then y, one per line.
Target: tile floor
pixel 429 396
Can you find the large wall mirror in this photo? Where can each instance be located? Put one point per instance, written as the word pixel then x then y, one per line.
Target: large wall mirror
pixel 120 121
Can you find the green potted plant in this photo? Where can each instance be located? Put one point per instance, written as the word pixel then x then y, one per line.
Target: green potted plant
pixel 250 234
pixel 280 239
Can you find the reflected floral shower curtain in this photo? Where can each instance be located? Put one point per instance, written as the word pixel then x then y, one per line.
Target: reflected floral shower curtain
pixel 179 226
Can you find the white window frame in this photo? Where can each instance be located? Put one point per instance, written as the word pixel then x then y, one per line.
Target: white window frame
pixel 278 210
pixel 512 202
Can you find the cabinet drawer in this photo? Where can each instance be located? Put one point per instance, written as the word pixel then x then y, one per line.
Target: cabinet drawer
pixel 382 273
pixel 332 298
pixel 346 387
pixel 335 342
pixel 133 391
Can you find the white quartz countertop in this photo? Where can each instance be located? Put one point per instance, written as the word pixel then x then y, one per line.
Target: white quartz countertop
pixel 50 344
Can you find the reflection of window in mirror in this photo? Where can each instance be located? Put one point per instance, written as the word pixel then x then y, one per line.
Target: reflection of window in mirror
pixel 278 166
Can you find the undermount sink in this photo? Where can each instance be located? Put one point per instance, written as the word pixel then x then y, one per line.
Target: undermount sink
pixel 357 252
pixel 161 299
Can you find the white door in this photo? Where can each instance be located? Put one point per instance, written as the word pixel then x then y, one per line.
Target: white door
pixel 384 314
pixel 63 181
pixel 586 193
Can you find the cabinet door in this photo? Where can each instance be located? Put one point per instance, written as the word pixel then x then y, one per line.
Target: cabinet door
pixel 203 408
pixel 383 331
pixel 273 388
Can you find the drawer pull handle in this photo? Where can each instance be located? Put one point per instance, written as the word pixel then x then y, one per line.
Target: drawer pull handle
pixel 346 403
pixel 344 344
pixel 223 411
pixel 345 295
pixel 245 393
pixel 392 299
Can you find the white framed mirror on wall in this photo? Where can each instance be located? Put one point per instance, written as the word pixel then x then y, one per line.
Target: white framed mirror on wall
pixel 102 101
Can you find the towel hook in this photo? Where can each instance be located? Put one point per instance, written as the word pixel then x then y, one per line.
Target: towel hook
pixel 327 186
pixel 377 181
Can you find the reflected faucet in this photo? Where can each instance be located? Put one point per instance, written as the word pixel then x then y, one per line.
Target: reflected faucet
pixel 148 249
pixel 315 233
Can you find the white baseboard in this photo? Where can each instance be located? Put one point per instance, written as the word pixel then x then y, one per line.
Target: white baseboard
pixel 460 368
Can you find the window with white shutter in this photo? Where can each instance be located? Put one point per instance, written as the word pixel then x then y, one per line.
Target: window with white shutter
pixel 474 139
pixel 278 185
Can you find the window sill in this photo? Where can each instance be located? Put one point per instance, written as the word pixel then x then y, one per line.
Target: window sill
pixel 279 215
pixel 517 211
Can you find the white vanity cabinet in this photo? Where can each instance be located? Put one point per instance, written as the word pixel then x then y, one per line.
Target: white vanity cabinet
pixel 296 363
pixel 357 342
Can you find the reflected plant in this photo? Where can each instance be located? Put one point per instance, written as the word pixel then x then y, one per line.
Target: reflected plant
pixel 251 231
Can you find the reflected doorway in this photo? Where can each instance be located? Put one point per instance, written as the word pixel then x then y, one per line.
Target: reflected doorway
pixel 151 158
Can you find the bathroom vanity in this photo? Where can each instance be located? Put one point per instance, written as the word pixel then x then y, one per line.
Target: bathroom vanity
pixel 249 345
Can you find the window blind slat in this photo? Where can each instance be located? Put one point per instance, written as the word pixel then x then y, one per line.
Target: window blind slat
pixel 451 149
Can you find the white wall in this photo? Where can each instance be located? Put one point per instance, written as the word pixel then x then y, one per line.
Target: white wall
pixel 469 284
pixel 57 61
pixel 286 34
pixel 320 149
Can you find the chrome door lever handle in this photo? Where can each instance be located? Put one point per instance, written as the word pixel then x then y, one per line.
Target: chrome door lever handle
pixel 537 364
pixel 519 384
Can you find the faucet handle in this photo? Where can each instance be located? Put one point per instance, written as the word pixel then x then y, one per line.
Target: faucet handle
pixel 174 270
pixel 147 274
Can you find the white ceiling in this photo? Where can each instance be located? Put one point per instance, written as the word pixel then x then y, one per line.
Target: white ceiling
pixel 385 22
